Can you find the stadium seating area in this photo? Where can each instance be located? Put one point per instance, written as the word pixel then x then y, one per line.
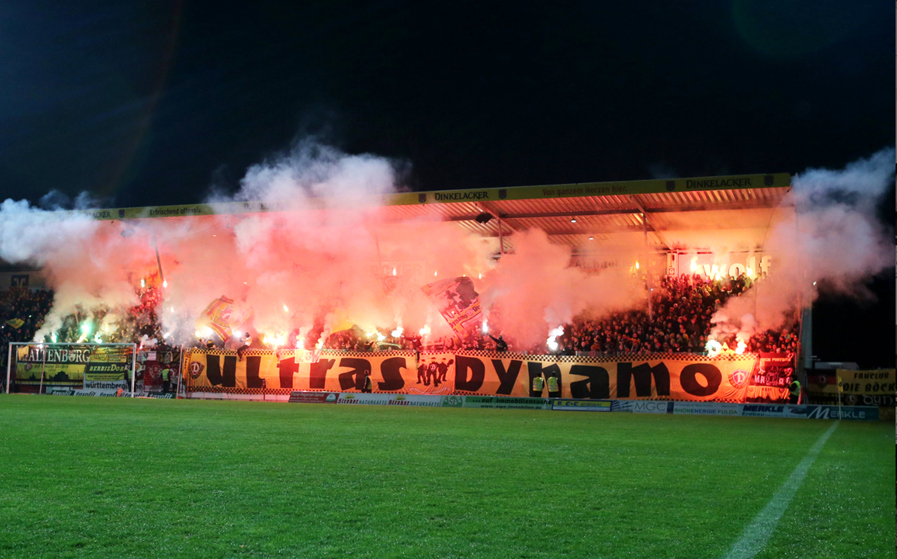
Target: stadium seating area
pixel 680 322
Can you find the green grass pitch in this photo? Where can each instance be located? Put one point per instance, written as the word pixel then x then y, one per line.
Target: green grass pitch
pixel 117 477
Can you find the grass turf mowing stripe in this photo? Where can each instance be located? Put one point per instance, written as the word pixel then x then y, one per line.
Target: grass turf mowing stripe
pixel 758 532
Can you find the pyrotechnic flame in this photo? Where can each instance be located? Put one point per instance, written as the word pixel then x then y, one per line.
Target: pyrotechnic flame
pixel 435 273
pixel 750 273
pixel 741 347
pixel 286 309
pixel 479 276
pixel 713 348
pixel 276 340
pixel 485 327
pixel 142 282
pixel 397 332
pixel 380 337
pixel 425 330
pixel 636 265
pixel 694 264
pixel 553 336
pixel 164 283
pixel 393 271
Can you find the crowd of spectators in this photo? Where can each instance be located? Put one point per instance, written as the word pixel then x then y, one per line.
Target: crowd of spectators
pixel 22 313
pixel 678 321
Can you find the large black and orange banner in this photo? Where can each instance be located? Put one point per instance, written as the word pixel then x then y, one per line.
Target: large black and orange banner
pixel 655 376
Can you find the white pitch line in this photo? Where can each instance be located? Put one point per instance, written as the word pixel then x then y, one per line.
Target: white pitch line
pixel 758 532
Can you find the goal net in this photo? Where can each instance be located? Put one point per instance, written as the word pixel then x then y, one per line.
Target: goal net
pixel 44 367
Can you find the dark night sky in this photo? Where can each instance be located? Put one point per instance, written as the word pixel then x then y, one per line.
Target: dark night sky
pixel 153 103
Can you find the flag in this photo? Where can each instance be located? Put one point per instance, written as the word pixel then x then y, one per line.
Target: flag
pixel 217 316
pixel 457 301
pixel 15 322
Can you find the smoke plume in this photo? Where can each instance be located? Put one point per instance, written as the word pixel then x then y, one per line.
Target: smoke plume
pixel 832 237
pixel 325 255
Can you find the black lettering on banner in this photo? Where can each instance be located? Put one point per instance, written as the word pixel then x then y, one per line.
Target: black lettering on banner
pixel 318 373
pixel 689 379
pixel 507 377
pixel 535 369
pixel 227 379
pixel 253 364
pixel 642 375
pixel 596 386
pixel 355 377
pixel 477 371
pixel 288 367
pixel 392 376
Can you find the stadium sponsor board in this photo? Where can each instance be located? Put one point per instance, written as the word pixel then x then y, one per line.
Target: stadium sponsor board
pixel 810 411
pixel 86 365
pixel 109 392
pixel 416 400
pixel 642 377
pixel 390 400
pixel 858 388
pixel 866 413
pixel 364 399
pixel 313 397
pixel 581 405
pixel 763 410
pixel 501 402
pixel 706 408
pixel 642 406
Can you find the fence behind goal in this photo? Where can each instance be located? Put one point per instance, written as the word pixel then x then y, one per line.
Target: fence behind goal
pixel 41 367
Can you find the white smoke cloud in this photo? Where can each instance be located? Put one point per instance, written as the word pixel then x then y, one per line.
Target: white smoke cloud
pixel 833 239
pixel 328 254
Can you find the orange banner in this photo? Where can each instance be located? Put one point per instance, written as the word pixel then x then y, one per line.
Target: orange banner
pixel 654 376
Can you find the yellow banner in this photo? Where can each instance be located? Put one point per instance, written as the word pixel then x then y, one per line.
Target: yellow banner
pixel 877 382
pixel 331 371
pixel 657 376
pixel 668 376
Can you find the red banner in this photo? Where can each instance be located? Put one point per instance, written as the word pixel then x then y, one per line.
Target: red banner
pixel 457 301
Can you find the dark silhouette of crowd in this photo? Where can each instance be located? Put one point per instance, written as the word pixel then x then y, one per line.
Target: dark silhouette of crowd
pixel 679 322
pixel 22 312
